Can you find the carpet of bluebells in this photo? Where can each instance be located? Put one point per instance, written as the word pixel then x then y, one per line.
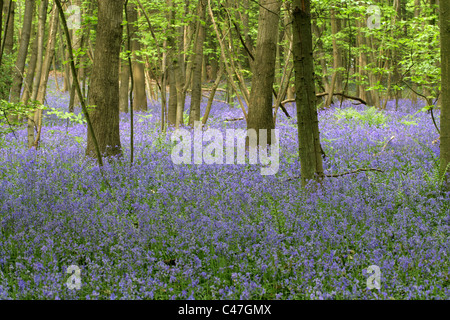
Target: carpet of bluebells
pixel 165 231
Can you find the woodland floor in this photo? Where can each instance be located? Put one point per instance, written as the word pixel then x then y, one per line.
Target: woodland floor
pixel 165 231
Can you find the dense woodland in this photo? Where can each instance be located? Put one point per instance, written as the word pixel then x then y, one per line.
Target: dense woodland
pixel 92 205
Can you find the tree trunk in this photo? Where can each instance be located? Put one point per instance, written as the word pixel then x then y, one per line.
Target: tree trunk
pixel 196 96
pixel 9 40
pixel 337 51
pixel 248 38
pixel 307 119
pixel 321 55
pixel 124 82
pixel 8 47
pixel 260 115
pixel 445 106
pixel 64 57
pixel 28 85
pixel 49 54
pixel 32 119
pixel 171 58
pixel 172 112
pixel 139 94
pixel 1 22
pixel 180 78
pixel 45 71
pixel 104 89
pixel 23 51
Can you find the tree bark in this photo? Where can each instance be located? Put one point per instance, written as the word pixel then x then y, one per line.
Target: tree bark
pixel 124 82
pixel 307 119
pixel 171 58
pixel 196 96
pixel 260 114
pixel 50 52
pixel 6 46
pixel 27 90
pixel 23 51
pixel 32 119
pixel 139 94
pixel 9 40
pixel 445 108
pixel 104 89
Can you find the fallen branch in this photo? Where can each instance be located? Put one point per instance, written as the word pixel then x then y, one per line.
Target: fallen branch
pixel 234 119
pixel 351 172
pixel 341 174
pixel 318 95
pixel 385 145
pixel 221 101
pixel 342 95
pixel 287 101
pixel 436 141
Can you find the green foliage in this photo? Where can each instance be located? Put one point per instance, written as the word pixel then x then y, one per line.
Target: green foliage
pixel 370 117
pixel 6 75
pixel 72 117
pixel 408 121
pixel 10 111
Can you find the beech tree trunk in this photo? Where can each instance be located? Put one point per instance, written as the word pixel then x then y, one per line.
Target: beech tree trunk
pixel 104 89
pixel 23 51
pixel 9 41
pixel 124 81
pixel 49 54
pixel 307 119
pixel 260 114
pixel 28 85
pixel 32 119
pixel 171 58
pixel 445 106
pixel 196 96
pixel 139 94
pixel 8 45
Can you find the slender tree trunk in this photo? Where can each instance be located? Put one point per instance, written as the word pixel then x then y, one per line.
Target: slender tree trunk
pixel 6 45
pixel 321 55
pixel 414 85
pixel 9 40
pixel 28 85
pixel 64 57
pixel 32 119
pixel 1 23
pixel 196 97
pixel 104 89
pixel 307 119
pixel 139 94
pixel 172 112
pixel 180 79
pixel 260 114
pixel 211 96
pixel 77 40
pixel 445 109
pixel 172 57
pixel 23 51
pixel 50 52
pixel 248 38
pixel 337 50
pixel 124 82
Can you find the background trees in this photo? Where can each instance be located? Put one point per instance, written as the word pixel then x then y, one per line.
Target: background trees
pixel 370 54
pixel 445 110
